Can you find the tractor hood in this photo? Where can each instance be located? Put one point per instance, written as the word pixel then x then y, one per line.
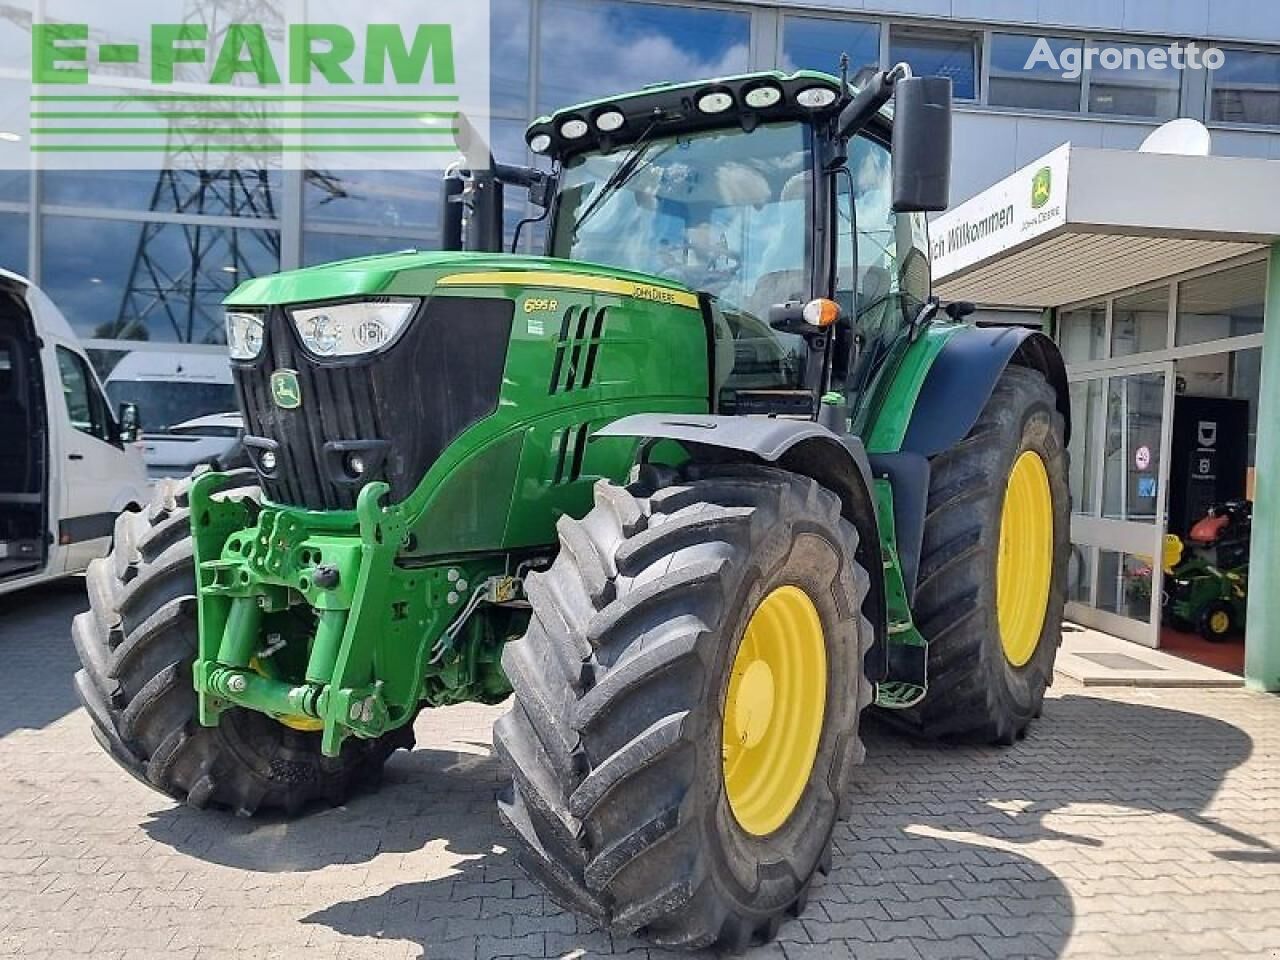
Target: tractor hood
pixel 487 333
pixel 416 274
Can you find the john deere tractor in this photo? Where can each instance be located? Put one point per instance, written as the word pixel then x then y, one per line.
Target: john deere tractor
pixel 698 486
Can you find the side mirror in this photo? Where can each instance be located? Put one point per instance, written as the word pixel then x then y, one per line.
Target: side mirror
pixel 130 422
pixel 922 145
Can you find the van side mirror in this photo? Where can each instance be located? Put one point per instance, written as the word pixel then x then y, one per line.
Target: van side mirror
pixel 922 145
pixel 130 422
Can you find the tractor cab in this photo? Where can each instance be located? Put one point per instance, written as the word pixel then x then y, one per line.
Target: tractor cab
pixel 775 198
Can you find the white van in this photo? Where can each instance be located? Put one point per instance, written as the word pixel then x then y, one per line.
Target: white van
pixel 188 403
pixel 67 465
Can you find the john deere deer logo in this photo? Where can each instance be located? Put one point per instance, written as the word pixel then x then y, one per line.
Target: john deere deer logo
pixel 285 389
pixel 1041 187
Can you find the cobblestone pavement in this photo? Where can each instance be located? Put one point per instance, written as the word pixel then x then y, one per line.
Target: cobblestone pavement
pixel 1128 824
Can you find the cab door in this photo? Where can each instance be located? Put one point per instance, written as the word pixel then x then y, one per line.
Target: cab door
pixel 93 462
pixel 882 270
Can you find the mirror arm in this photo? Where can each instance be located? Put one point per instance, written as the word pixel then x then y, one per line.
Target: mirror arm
pixel 859 111
pixel 539 183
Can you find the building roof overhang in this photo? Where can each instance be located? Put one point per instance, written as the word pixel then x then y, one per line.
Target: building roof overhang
pixel 1081 223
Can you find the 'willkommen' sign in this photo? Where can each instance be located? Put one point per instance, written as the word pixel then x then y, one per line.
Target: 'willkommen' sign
pixel 1024 205
pixel 215 84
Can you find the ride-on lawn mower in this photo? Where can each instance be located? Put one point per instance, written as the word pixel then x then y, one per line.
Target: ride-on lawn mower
pixel 1208 590
pixel 698 486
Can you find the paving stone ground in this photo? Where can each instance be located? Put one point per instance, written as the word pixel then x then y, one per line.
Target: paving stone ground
pixel 1128 824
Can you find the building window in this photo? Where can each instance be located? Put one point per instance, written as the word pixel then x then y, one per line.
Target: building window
pixel 1246 89
pixel 812 44
pixel 1140 322
pixel 1082 333
pixel 936 53
pixel 509 57
pixel 1086 408
pixel 1226 304
pixel 1039 88
pixel 1132 89
pixel 13 242
pixel 598 48
pixel 399 199
pixel 15 186
pixel 126 280
pixel 319 247
pixel 242 192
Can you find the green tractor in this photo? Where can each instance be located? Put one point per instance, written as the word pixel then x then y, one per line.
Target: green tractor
pixel 698 486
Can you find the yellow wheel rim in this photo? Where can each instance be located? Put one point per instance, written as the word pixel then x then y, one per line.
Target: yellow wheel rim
pixel 1025 564
pixel 773 710
pixel 1219 622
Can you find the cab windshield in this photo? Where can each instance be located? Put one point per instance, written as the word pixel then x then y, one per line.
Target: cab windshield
pixel 724 212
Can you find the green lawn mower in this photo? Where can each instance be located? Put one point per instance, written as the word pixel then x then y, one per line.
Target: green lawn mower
pixel 1207 588
pixel 694 488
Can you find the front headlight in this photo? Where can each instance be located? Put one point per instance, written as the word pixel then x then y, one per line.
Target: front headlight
pixel 244 335
pixel 350 329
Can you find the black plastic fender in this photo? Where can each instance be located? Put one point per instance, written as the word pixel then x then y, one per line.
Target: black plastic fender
pixel 964 376
pixel 838 462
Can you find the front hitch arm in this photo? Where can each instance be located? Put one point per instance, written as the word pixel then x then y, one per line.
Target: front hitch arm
pixel 247 570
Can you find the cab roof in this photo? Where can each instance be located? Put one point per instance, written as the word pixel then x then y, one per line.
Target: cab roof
pixel 669 108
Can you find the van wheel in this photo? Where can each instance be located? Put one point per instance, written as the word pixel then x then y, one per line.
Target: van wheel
pixel 137 643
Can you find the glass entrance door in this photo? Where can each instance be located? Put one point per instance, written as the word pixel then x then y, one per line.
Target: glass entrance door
pixel 1120 466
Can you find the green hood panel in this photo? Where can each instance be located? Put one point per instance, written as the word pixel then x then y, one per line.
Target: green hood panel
pixel 413 273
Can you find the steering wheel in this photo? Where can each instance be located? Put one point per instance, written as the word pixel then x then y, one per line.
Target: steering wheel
pixel 712 276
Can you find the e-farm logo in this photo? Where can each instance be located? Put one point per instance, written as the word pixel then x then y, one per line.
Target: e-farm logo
pixel 385 83
pixel 316 50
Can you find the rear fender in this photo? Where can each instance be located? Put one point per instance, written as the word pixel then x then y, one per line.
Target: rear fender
pixel 837 462
pixel 963 377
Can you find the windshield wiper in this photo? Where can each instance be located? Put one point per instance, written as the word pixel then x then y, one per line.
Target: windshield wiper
pixel 620 177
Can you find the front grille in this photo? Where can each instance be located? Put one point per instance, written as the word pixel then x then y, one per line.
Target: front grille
pixel 411 401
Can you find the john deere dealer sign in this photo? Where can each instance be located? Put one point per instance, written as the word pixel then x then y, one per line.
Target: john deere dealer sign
pixel 1018 209
pixel 195 84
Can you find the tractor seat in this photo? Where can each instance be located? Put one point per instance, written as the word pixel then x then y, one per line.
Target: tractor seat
pixel 774 288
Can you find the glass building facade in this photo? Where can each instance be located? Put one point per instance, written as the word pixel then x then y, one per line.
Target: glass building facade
pixel 140 261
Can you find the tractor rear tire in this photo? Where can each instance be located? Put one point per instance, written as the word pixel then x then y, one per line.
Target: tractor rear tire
pixel 987 680
pixel 137 643
pixel 687 700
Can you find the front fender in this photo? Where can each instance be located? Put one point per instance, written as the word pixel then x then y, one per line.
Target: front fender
pixel 768 439
pixel 839 463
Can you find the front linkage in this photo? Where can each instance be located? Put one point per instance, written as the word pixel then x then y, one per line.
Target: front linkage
pixel 306 616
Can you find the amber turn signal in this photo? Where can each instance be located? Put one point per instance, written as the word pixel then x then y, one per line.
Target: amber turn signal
pixel 821 313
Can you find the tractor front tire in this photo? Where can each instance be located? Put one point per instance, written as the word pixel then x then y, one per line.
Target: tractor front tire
pixel 687 703
pixel 993 571
pixel 137 643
